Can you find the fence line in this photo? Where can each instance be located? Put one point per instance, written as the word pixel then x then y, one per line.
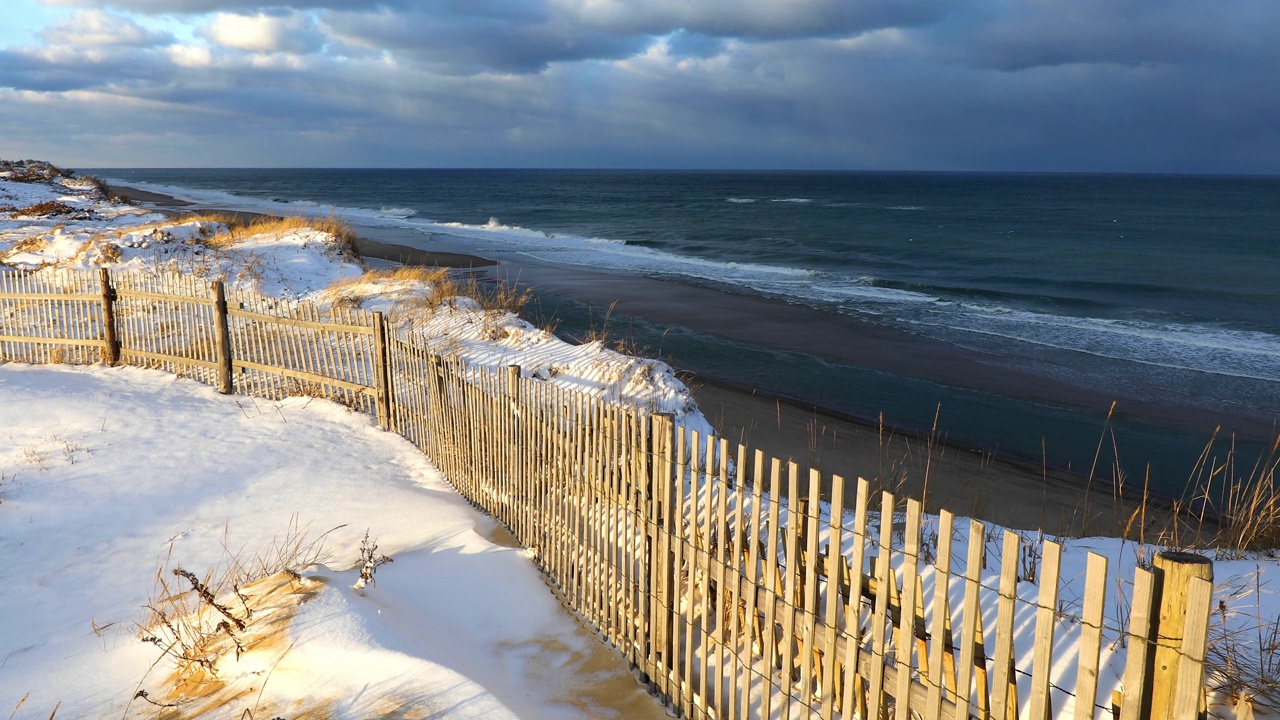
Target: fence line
pixel 736 583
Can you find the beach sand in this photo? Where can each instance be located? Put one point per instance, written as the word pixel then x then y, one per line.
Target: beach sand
pixel 994 488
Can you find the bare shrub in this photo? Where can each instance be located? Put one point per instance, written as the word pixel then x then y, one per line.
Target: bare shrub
pixel 48 208
pixel 31 171
pixel 370 561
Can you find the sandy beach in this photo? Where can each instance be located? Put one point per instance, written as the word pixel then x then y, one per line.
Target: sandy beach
pixel 996 488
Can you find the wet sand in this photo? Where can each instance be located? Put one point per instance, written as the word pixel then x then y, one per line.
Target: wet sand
pixel 968 482
pixel 995 488
pixel 848 340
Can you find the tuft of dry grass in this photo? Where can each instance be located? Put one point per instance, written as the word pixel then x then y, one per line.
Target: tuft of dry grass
pixel 98 184
pixel 1242 499
pixel 441 285
pixel 624 344
pixel 238 229
pixel 1243 658
pixel 199 621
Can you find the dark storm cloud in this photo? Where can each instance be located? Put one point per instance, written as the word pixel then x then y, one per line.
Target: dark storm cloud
pixel 1126 85
pixel 521 40
pixel 1127 32
pixel 756 19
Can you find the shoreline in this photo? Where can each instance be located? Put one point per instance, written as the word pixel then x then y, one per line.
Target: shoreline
pixel 851 341
pixel 999 488
pixel 943 474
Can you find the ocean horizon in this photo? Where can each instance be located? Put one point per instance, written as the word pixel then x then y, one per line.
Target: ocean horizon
pixel 1019 306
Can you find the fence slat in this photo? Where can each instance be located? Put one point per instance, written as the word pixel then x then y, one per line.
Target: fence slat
pixel 906 619
pixel 940 619
pixel 1046 623
pixel 1095 595
pixel 1190 686
pixel 880 615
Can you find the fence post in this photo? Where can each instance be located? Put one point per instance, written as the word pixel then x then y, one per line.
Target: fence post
pixel 222 337
pixel 111 351
pixel 381 376
pixel 1174 572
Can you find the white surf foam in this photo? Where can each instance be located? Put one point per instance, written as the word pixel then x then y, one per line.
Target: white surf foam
pixel 1202 348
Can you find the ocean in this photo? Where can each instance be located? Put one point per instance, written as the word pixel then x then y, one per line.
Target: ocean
pixel 1161 293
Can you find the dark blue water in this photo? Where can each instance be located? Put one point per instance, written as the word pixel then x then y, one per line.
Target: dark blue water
pixel 1163 289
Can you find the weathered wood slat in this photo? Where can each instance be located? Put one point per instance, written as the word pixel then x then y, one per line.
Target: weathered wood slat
pixel 1141 612
pixel 833 610
pixel 971 651
pixel 1002 708
pixel 263 316
pixel 1095 595
pixel 128 293
pixel 940 625
pixel 1189 693
pixel 880 615
pixel 85 297
pixel 131 355
pixel 307 377
pixel 906 626
pixel 43 341
pixel 1046 623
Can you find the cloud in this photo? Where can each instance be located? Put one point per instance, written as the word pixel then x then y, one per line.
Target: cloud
pixel 1126 32
pixel 63 68
pixel 96 27
pixel 480 38
pixel 199 7
pixel 1128 85
pixel 294 32
pixel 750 18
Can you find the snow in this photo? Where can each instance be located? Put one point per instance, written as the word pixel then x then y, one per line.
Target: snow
pixel 112 473
pixel 113 477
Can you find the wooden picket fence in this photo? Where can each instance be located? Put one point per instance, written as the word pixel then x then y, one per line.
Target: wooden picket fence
pixel 740 586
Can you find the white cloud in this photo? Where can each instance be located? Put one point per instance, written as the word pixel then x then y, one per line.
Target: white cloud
pixel 264 33
pixel 97 27
pixel 190 56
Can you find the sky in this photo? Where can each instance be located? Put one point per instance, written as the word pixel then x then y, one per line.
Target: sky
pixel 1016 85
